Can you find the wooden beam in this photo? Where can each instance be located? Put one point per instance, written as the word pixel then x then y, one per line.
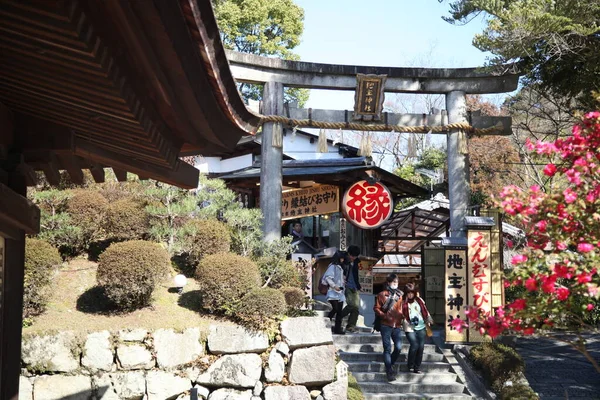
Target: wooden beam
pixel 183 175
pixel 51 170
pixel 69 162
pixel 97 172
pixel 120 174
pixel 18 211
pixel 7 128
pixel 342 116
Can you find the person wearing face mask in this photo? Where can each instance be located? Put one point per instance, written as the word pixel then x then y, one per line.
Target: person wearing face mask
pixel 388 307
pixel 416 317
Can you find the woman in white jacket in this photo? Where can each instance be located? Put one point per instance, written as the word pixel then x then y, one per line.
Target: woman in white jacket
pixel 334 278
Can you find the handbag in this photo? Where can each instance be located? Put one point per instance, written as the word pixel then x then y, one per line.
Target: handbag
pixel 428 331
pixel 323 287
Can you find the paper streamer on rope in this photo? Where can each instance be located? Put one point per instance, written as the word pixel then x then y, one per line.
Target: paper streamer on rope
pixel 322 145
pixel 463 144
pixel 277 135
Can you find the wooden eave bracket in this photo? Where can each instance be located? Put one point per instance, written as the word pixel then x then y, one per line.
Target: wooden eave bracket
pixel 18 211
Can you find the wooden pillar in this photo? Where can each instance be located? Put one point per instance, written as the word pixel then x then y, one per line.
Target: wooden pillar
pixel 271 164
pixel 458 166
pixel 11 311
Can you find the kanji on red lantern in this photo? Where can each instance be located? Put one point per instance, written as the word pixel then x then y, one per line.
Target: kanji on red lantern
pixel 368 205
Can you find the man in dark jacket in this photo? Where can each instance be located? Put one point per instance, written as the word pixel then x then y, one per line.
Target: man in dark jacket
pixel 352 289
pixel 388 308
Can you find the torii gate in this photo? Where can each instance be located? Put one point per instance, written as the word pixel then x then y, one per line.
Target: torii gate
pixel 454 83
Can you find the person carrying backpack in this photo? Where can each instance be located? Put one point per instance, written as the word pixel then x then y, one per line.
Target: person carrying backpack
pixel 388 308
pixel 334 278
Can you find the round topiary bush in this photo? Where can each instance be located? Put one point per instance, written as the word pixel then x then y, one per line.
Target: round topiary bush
pixel 224 279
pixel 294 297
pixel 260 308
pixel 40 258
pixel 87 209
pixel 206 237
pixel 126 219
pixel 129 271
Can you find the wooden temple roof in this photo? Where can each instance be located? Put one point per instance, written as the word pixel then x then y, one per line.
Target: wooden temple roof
pixel 131 85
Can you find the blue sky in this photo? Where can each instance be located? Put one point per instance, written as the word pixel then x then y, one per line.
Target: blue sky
pixel 399 33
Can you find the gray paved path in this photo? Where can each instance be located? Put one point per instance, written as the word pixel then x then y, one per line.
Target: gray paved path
pixel 556 371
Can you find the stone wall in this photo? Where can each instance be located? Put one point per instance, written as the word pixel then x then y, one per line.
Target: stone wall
pixel 232 363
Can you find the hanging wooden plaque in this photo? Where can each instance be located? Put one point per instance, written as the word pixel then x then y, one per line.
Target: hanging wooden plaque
pixel 368 97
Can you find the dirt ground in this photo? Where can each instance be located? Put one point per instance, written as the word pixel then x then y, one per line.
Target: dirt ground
pixel 78 304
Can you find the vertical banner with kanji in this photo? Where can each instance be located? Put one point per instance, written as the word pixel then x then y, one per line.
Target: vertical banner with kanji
pixel 478 255
pixel 343 243
pixel 456 292
pixel 365 276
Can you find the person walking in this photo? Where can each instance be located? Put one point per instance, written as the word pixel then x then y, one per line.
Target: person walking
pixel 352 289
pixel 334 278
pixel 388 308
pixel 416 317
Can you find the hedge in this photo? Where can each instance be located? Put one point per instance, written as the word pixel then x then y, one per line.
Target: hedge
pixel 40 258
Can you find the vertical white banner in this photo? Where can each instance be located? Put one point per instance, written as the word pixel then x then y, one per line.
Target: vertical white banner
pixel 480 275
pixel 456 292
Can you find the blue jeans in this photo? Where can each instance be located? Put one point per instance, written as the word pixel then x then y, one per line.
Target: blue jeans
pixel 417 345
pixel 389 334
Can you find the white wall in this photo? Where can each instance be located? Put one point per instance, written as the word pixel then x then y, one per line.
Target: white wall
pixel 299 147
pixel 218 165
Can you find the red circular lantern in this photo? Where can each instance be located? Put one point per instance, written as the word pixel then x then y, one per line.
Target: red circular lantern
pixel 367 205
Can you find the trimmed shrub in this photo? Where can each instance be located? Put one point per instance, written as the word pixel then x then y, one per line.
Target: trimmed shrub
pixel 498 364
pixel 129 271
pixel 280 272
pixel 518 391
pixel 206 237
pixel 294 297
pixel 40 258
pixel 87 209
pixel 224 279
pixel 260 307
pixel 126 219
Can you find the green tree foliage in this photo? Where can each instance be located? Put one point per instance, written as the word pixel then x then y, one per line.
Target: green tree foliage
pixel 126 219
pixel 432 159
pixel 214 198
pixel 129 271
pixel 169 208
pixel 263 27
pixel 56 225
pixel 245 228
pixel 40 258
pixel 554 42
pixel 275 269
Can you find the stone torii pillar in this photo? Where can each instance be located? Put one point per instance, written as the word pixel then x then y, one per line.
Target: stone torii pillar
pixel 271 164
pixel 458 165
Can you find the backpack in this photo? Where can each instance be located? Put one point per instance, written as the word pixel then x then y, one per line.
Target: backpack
pixel 323 287
pixel 377 324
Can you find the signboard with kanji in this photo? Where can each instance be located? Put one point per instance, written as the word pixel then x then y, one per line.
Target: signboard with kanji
pixel 365 276
pixel 456 292
pixel 315 200
pixel 343 241
pixel 369 97
pixel 367 205
pixel 478 253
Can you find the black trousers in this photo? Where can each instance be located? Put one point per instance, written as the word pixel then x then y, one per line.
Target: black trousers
pixel 336 310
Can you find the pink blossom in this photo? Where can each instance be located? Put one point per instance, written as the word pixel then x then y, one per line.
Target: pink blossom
pixel 459 324
pixel 592 115
pixel 519 304
pixel 510 244
pixel 529 331
pixel 531 284
pixel 549 283
pixel 550 169
pixel 562 293
pixel 561 246
pixel 570 195
pixel 472 312
pixel 590 307
pixel 518 259
pixel 584 277
pixel 591 197
pixel 541 225
pixel 585 247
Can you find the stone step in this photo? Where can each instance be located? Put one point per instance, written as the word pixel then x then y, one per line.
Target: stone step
pixel 380 367
pixel 401 387
pixel 378 357
pixel 416 396
pixel 407 377
pixel 377 348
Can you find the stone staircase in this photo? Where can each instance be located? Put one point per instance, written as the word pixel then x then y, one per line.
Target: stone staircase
pixel 362 352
